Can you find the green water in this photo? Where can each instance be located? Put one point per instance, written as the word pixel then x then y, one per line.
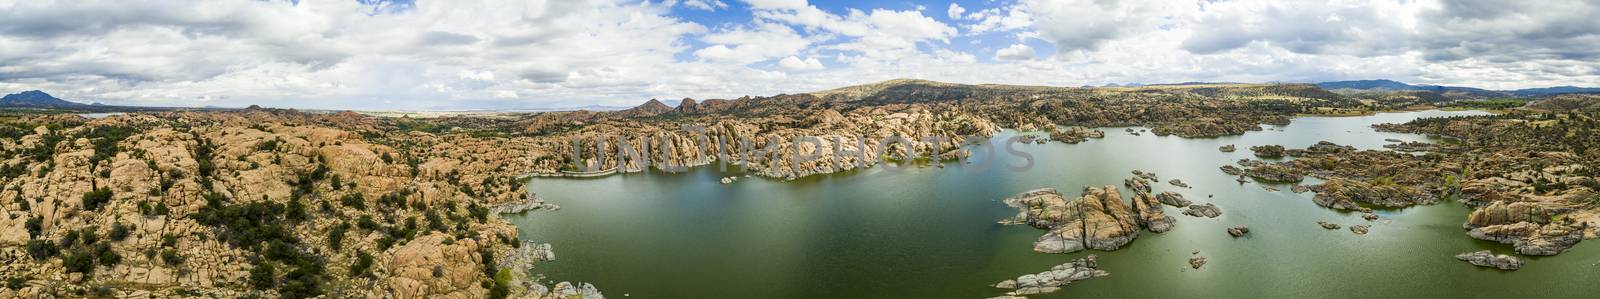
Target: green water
pixel 932 233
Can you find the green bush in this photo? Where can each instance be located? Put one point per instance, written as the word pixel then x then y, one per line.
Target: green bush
pixel 169 240
pixel 502 285
pixel 88 236
pixel 78 261
pixel 296 211
pixel 106 256
pixel 262 276
pixel 354 200
pixel 35 226
pixel 118 232
pixel 267 146
pixel 362 266
pixel 171 257
pixel 94 199
pixel 365 222
pixel 336 236
pixel 22 204
pixel 41 249
pixel 16 282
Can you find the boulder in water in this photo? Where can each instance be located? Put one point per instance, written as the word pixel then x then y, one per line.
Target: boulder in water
pixel 1207 210
pixel 1483 258
pixel 1238 231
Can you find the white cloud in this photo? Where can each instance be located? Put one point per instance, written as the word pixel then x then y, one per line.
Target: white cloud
pixel 1362 29
pixel 955 56
pixel 516 53
pixel 338 54
pixel 745 45
pixel 1084 25
pixel 776 4
pixel 707 5
pixel 1000 19
pixel 1015 52
pixel 879 34
pixel 796 64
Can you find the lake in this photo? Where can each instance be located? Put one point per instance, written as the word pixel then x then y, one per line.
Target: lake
pixel 932 232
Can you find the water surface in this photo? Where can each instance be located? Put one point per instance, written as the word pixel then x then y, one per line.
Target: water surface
pixel 931 233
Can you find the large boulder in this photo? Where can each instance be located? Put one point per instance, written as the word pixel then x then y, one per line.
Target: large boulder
pixel 1052 280
pixel 1075 134
pixel 1344 194
pixel 1534 239
pixel 1238 231
pixel 1207 210
pixel 1151 217
pixel 1268 151
pixel 1501 212
pixel 429 267
pixel 1097 220
pixel 1483 258
pixel 1172 199
pixel 1108 223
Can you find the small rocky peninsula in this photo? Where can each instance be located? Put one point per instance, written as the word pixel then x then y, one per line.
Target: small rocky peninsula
pixel 1052 280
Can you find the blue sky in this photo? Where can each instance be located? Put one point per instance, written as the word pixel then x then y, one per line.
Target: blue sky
pixel 739 13
pixel 500 54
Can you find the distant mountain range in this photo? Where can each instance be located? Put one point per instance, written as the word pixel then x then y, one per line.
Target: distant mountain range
pixel 36 99
pixel 903 90
pixel 1391 85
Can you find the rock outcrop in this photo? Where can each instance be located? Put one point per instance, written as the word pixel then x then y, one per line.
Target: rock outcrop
pixel 1173 199
pixel 1483 258
pixel 1238 231
pixel 1268 151
pixel 208 204
pixel 1151 217
pixel 1201 127
pixel 1344 194
pixel 1137 185
pixel 1530 238
pixel 1075 134
pixel 1207 210
pixel 1053 279
pixel 1328 225
pixel 1271 172
pixel 1359 229
pixel 1196 261
pixel 1096 220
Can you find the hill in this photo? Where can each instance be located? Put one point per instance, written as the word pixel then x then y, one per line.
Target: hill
pixel 1531 92
pixel 916 90
pixel 36 99
pixel 1454 92
pixel 1381 84
pixel 1568 103
pixel 1384 85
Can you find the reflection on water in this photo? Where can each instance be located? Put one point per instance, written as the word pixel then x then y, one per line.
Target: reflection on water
pixel 99 115
pixel 932 232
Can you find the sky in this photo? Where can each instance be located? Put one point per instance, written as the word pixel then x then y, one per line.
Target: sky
pixel 501 54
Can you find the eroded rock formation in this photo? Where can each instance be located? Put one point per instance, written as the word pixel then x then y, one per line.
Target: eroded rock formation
pixel 1096 220
pixel 1053 279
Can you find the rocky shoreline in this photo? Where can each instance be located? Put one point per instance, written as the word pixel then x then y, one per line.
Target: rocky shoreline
pixel 1052 280
pixel 1526 187
pixel 158 204
pixel 161 203
pixel 532 202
